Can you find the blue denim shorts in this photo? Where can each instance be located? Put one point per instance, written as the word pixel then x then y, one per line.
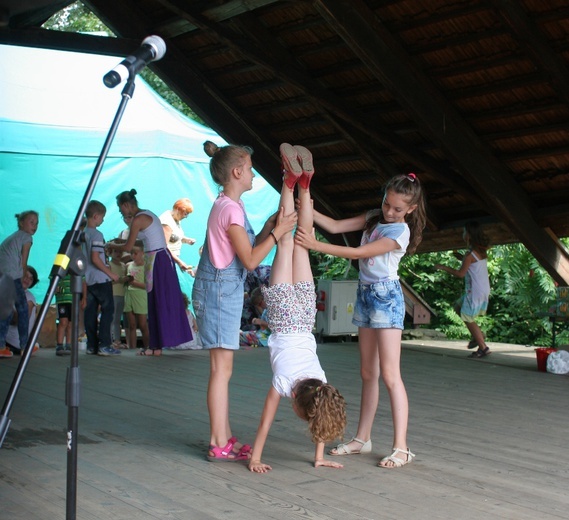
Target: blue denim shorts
pixel 217 299
pixel 379 306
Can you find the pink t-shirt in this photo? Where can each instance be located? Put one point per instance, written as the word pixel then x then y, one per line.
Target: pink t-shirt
pixel 224 213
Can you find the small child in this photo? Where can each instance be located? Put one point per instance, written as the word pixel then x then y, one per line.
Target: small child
pixel 14 254
pixel 474 270
pixel 254 327
pixel 63 304
pixel 119 268
pixel 29 280
pixel 195 343
pixel 136 299
pixel 99 278
pixel 291 311
pixel 64 307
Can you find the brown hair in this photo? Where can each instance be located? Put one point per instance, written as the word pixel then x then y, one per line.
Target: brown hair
pixel 95 208
pixel 477 238
pixel 127 197
pixel 408 186
pixel 20 217
pixel 34 274
pixel 224 159
pixel 256 296
pixel 139 245
pixel 323 407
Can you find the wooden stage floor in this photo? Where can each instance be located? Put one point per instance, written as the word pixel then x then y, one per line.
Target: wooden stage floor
pixel 491 438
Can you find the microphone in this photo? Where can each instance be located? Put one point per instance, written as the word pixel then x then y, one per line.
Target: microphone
pixel 153 48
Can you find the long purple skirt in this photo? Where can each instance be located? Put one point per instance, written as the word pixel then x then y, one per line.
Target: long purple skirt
pixel 167 319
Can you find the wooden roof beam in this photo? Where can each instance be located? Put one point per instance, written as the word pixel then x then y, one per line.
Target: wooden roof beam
pixel 30 18
pixel 194 88
pixel 279 61
pixel 388 61
pixel 359 135
pixel 533 41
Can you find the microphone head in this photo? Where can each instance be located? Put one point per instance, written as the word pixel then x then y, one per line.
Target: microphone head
pixel 157 44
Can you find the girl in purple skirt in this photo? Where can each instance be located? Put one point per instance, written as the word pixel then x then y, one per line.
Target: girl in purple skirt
pixel 167 321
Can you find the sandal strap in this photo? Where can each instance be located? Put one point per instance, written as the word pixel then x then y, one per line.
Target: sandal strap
pixel 405 452
pixel 397 461
pixel 228 448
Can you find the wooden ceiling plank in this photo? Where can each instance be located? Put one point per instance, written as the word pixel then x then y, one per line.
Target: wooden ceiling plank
pixel 37 16
pixel 535 43
pixel 358 136
pixel 386 59
pixel 193 87
pixel 279 61
pixel 73 42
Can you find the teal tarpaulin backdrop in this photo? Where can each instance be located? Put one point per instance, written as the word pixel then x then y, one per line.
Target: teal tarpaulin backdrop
pixel 55 114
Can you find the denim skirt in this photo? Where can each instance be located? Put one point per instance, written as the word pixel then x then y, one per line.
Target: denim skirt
pixel 217 299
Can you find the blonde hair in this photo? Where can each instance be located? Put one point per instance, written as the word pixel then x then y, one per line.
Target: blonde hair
pixel 323 407
pixel 224 159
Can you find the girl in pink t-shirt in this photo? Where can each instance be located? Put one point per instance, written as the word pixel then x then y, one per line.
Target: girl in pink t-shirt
pixel 230 249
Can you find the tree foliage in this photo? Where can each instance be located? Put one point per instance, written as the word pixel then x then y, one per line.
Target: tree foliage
pixel 78 18
pixel 520 290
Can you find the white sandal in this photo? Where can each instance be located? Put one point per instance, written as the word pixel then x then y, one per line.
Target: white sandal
pixel 344 448
pixel 397 462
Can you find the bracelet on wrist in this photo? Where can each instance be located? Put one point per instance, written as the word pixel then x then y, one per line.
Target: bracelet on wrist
pixel 274 237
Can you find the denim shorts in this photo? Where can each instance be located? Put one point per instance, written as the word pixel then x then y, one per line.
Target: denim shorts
pixel 217 299
pixel 379 306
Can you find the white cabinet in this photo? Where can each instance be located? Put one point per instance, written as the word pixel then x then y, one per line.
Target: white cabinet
pixel 335 303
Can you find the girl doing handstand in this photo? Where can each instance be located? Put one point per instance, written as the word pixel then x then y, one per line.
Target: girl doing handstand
pixel 291 310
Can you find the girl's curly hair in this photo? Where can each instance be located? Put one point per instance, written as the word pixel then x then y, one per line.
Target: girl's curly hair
pixel 323 407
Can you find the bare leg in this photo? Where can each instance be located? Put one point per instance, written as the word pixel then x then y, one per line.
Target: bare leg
pixel 281 271
pixel 477 334
pixel 132 329
pixel 302 271
pixel 221 368
pixel 143 326
pixel 61 329
pixel 68 331
pixel 369 372
pixel 389 360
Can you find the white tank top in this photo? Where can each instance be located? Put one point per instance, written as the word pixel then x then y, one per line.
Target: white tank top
pixel 153 236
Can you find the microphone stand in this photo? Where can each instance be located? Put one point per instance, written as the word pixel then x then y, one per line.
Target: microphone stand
pixel 69 258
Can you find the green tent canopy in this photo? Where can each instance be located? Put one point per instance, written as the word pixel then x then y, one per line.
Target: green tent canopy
pixel 55 113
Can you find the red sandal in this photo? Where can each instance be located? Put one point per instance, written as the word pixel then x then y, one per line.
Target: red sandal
pixel 291 167
pixel 305 158
pixel 226 454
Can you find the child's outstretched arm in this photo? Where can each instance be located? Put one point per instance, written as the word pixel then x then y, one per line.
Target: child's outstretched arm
pixel 459 273
pixel 306 239
pixel 339 226
pixel 267 417
pixel 319 459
